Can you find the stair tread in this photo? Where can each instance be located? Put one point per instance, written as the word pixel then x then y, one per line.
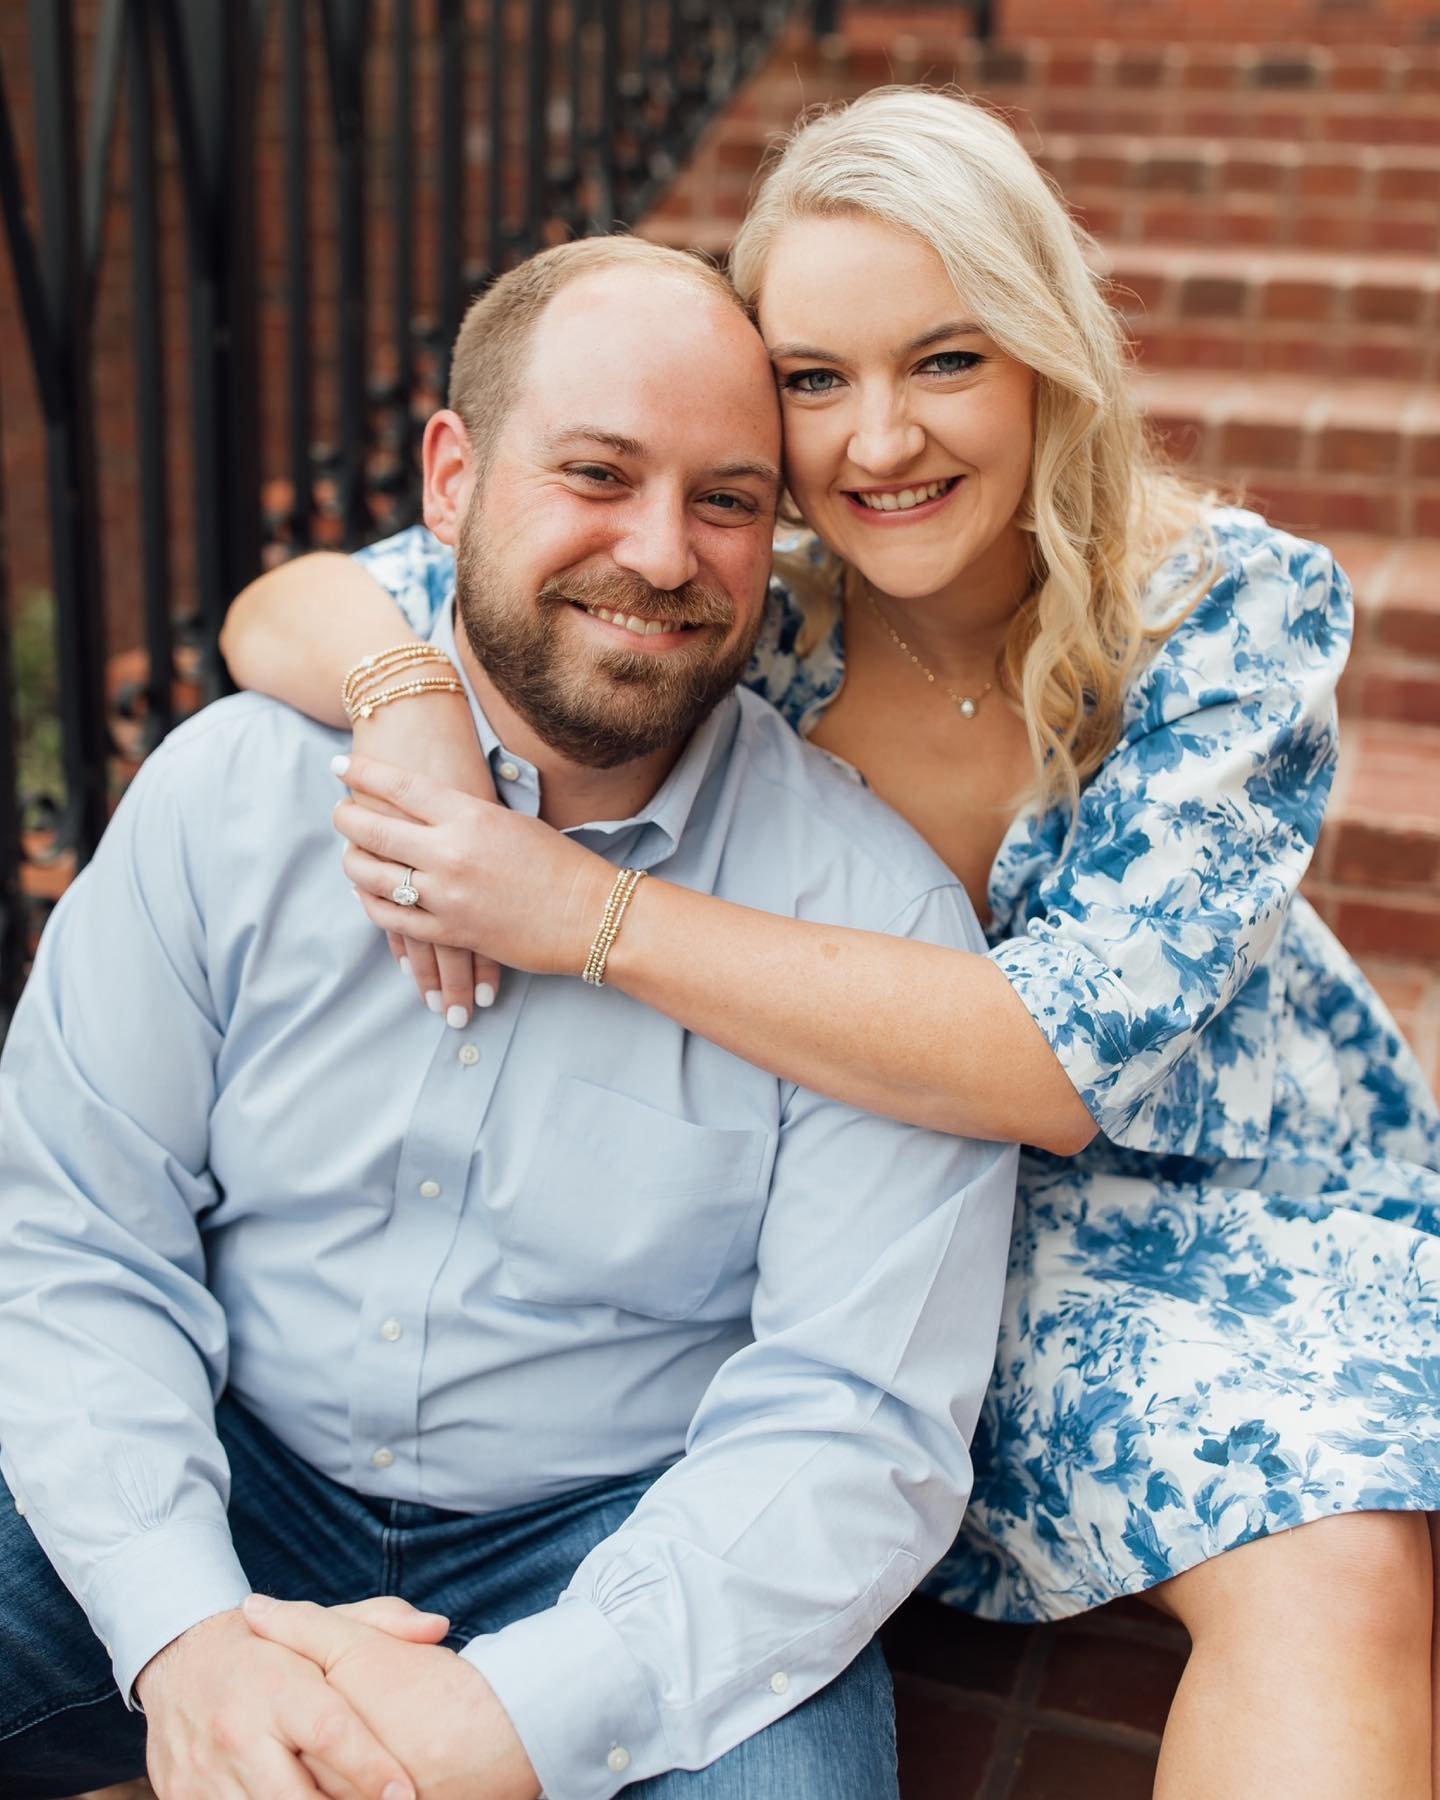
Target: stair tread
pixel 1364 403
pixel 1282 264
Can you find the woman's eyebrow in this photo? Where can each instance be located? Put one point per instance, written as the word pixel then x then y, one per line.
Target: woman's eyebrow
pixel 812 353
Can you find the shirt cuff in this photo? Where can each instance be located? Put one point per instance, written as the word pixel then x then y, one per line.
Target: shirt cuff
pixel 159 1585
pixel 577 1698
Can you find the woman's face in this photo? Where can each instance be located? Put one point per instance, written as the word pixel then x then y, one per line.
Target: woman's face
pixel 908 432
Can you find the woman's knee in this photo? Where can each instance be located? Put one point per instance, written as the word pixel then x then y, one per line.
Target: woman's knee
pixel 1364 1580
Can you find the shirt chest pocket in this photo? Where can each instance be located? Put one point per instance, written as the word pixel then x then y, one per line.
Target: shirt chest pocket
pixel 624 1205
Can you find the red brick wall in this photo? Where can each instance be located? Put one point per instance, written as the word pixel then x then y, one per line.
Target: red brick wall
pixel 1364 22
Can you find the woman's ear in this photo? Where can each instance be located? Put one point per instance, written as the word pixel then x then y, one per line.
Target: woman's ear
pixel 449 464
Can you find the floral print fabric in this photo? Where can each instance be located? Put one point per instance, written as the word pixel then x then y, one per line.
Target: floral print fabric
pixel 1221 1318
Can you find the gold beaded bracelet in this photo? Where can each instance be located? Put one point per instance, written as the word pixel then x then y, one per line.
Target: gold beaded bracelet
pixel 626 883
pixel 363 688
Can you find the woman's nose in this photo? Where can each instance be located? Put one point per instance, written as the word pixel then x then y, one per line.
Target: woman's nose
pixel 885 441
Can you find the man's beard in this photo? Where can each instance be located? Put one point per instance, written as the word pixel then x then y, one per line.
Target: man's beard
pixel 607 707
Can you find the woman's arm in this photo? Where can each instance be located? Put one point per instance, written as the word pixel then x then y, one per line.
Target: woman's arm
pixel 934 1036
pixel 296 630
pixel 294 634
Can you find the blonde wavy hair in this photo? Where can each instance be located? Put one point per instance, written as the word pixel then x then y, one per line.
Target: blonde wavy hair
pixel 1101 508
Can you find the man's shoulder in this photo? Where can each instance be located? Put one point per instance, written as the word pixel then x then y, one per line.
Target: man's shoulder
pixel 250 733
pixel 811 804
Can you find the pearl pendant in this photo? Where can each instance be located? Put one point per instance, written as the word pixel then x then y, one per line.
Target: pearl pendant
pixel 966 709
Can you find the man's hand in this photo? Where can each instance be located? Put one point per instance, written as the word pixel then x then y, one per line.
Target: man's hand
pixel 230 1716
pixel 438 1712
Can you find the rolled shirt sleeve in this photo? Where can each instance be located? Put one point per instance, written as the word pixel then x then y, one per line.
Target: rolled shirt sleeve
pixel 105 1090
pixel 417 571
pixel 1144 960
pixel 826 1469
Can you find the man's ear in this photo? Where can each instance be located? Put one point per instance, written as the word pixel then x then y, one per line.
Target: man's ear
pixel 449 463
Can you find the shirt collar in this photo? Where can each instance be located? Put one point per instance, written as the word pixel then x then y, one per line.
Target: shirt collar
pixel 645 838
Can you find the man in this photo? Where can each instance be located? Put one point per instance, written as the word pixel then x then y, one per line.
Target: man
pixel 652 1374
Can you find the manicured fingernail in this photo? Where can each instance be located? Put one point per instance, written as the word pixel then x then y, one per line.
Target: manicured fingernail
pixel 397 1790
pixel 484 994
pixel 457 1018
pixel 258 1603
pixel 435 1000
pixel 404 965
pixel 339 765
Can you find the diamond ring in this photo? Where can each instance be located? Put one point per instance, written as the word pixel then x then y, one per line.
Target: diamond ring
pixel 406 894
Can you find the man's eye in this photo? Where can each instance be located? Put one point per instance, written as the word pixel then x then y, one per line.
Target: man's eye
pixel 588 472
pixel 730 502
pixel 811 381
pixel 952 362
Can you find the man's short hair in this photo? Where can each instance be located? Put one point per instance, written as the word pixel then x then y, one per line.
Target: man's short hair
pixel 495 334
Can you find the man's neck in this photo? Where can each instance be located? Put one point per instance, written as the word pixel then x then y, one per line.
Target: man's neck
pixel 570 793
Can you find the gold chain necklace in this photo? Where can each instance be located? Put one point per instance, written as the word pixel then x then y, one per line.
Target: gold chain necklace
pixel 967 705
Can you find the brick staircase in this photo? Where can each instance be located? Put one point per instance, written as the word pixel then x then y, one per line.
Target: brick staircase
pixel 1269 224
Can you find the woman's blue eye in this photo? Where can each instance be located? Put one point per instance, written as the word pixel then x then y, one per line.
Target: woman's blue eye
pixel 952 362
pixel 810 381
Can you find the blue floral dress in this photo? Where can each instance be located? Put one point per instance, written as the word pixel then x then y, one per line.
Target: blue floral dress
pixel 1221 1318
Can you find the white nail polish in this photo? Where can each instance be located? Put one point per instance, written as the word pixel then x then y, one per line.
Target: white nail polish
pixel 435 1000
pixel 457 1018
pixel 339 765
pixel 484 994
pixel 405 968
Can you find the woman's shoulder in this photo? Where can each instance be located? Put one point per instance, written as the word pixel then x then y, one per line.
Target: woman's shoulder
pixel 416 570
pixel 1246 606
pixel 798 663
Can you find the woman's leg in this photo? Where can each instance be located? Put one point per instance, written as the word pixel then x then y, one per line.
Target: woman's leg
pixel 1310 1671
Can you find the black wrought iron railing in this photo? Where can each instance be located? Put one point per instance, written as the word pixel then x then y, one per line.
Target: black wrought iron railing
pixel 273 212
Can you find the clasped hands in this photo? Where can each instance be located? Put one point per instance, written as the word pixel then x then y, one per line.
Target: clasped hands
pixel 284 1699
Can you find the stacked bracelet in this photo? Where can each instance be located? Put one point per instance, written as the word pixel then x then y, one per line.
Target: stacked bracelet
pixel 626 883
pixel 364 687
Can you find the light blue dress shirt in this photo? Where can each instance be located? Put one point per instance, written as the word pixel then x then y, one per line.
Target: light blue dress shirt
pixel 479 1268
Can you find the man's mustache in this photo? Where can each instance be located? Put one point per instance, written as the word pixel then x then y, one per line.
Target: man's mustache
pixel 692 603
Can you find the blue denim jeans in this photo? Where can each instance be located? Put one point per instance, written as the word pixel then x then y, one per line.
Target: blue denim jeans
pixel 63 1727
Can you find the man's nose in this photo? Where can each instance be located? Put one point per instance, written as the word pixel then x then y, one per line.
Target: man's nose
pixel 656 543
pixel 885 439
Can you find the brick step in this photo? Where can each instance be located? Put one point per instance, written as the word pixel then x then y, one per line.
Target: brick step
pixel 1319 456
pixel 1229 193
pixel 1394 670
pixel 1284 311
pixel 1248 191
pixel 1357 94
pixel 1376 875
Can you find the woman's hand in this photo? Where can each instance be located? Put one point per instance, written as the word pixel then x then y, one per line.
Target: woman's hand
pixel 491 882
pixel 435 734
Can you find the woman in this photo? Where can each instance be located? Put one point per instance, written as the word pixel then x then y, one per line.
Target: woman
pixel 1110 706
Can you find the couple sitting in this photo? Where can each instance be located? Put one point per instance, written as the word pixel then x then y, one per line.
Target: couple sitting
pixel 634 1329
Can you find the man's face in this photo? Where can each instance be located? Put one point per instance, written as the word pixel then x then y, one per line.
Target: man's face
pixel 612 563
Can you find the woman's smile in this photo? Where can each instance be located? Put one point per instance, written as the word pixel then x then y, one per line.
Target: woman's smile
pixel 908 505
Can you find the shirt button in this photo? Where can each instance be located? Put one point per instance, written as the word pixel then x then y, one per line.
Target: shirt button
pixel 779 1682
pixel 509 771
pixel 469 1055
pixel 618 1761
pixel 382 1458
pixel 20 1508
pixel 390 1330
pixel 429 1190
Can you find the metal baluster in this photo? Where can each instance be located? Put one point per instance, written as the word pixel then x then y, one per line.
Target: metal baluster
pixel 537 130
pixel 297 257
pixel 149 376
pixel 13 921
pixel 346 32
pixel 403 213
pixel 496 234
pixel 452 178
pixel 72 486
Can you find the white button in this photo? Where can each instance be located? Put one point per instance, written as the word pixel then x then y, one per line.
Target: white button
pixel 105 1646
pixel 20 1508
pixel 383 1458
pixel 429 1190
pixel 469 1055
pixel 390 1330
pixel 779 1682
pixel 509 771
pixel 618 1761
